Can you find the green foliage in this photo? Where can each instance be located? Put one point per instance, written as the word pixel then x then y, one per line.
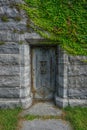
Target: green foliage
pixel 1 42
pixel 4 18
pixel 45 117
pixel 9 119
pixel 78 117
pixel 62 21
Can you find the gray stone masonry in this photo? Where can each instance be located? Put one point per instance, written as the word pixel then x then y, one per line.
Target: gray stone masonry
pixel 72 80
pixel 14 58
pixel 15 63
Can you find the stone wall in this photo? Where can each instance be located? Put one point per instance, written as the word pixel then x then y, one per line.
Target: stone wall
pixel 72 80
pixel 14 57
pixel 77 78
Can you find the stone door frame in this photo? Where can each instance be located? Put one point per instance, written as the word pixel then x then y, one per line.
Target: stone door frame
pixel 61 89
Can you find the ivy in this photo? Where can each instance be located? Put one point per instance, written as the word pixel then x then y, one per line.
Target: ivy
pixel 61 21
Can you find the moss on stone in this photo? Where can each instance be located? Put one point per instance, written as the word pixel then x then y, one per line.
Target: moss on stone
pixel 4 18
pixel 2 42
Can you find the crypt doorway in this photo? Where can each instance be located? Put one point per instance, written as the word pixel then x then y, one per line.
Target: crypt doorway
pixel 43 72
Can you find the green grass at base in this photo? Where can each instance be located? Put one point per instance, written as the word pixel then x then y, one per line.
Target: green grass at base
pixel 77 117
pixel 9 119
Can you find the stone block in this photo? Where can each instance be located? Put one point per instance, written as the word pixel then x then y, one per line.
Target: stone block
pixel 9 48
pixel 9 60
pixel 25 61
pixel 9 70
pixel 77 93
pixel 25 92
pixel 27 102
pixel 9 92
pixel 9 103
pixel 77 60
pixel 10 36
pixel 77 102
pixel 25 82
pixel 62 92
pixel 61 81
pixel 25 70
pixel 77 81
pixel 61 102
pixel 62 69
pixel 25 56
pixel 25 79
pixel 77 70
pixel 9 81
pixel 8 2
pixel 19 27
pixel 32 35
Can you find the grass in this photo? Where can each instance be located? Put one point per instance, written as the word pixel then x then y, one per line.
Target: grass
pixel 77 117
pixel 9 119
pixel 32 117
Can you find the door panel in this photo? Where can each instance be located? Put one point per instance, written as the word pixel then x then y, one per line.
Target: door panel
pixel 43 72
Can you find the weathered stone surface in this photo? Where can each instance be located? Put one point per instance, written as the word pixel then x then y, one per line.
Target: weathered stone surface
pixel 14 58
pixel 27 102
pixel 61 80
pixel 9 70
pixel 25 70
pixel 46 125
pixel 77 82
pixel 32 35
pixel 10 12
pixel 9 92
pixel 9 81
pixel 62 70
pixel 77 77
pixel 77 70
pixel 14 26
pixel 8 2
pixel 9 103
pixel 9 60
pixel 77 60
pixel 25 92
pixel 43 109
pixel 10 36
pixel 72 80
pixel 78 102
pixel 62 92
pixel 77 93
pixel 9 48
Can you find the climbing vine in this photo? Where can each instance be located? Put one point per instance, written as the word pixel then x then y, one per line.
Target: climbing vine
pixel 63 21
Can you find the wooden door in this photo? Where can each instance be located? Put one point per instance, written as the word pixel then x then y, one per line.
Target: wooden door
pixel 43 72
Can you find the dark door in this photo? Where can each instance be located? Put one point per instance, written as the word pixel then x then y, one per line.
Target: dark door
pixel 43 72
